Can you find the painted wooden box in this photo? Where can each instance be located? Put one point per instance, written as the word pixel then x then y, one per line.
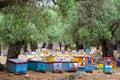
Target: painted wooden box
pixel 87 50
pixel 88 64
pixel 81 69
pixel 107 69
pixel 95 67
pixel 69 66
pixel 89 60
pixel 88 68
pixel 80 61
pixel 118 63
pixel 41 66
pixel 44 66
pixel 100 65
pixel 32 65
pixel 54 66
pixel 17 66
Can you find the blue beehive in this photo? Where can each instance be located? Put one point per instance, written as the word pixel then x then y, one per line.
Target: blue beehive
pixel 95 67
pixel 88 50
pixel 88 64
pixel 68 66
pixel 17 66
pixel 37 65
pixel 88 68
pixel 107 69
pixel 41 66
pixel 32 65
pixel 44 66
pixel 53 66
pixel 118 63
pixel 81 69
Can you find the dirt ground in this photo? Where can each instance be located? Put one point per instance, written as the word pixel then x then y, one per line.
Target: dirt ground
pixel 33 75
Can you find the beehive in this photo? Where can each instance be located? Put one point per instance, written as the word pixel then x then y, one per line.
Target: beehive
pixel 89 60
pixel 50 59
pixel 68 66
pixel 113 64
pixel 53 66
pixel 107 68
pixel 79 60
pixel 100 65
pixel 17 66
pixel 118 63
pixel 44 66
pixel 88 64
pixel 32 65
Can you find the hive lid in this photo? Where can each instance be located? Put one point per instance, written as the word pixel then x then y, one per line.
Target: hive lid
pixel 17 61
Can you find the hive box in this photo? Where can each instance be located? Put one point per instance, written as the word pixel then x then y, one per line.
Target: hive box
pixel 68 65
pixel 17 66
pixel 118 63
pixel 32 65
pixel 81 69
pixel 88 68
pixel 88 50
pixel 100 65
pixel 88 64
pixel 95 67
pixel 44 66
pixel 54 66
pixel 107 69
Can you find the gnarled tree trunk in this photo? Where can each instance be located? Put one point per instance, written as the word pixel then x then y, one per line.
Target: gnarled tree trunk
pixel 44 44
pixel 78 46
pixel 60 45
pixel 14 49
pixel 66 47
pixel 107 48
pixel 50 45
pixel 25 48
pixel 33 46
pixel 0 48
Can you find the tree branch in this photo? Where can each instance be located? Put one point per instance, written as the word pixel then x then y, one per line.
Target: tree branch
pixel 5 3
pixel 54 2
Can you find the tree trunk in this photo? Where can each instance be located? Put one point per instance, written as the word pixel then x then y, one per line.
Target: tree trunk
pixel 0 48
pixel 33 46
pixel 107 48
pixel 77 45
pixel 50 45
pixel 60 44
pixel 25 48
pixel 44 44
pixel 14 49
pixel 66 47
pixel 115 47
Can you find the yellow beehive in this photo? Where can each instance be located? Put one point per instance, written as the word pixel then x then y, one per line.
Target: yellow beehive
pixel 100 65
pixel 78 59
pixel 50 59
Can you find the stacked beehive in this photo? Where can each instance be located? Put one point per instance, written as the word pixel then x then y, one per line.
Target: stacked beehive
pixel 88 64
pixel 107 68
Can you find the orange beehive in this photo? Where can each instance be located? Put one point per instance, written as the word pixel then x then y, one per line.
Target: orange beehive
pixel 89 60
pixel 113 64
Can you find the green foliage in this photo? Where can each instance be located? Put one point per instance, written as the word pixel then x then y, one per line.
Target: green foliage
pixel 15 26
